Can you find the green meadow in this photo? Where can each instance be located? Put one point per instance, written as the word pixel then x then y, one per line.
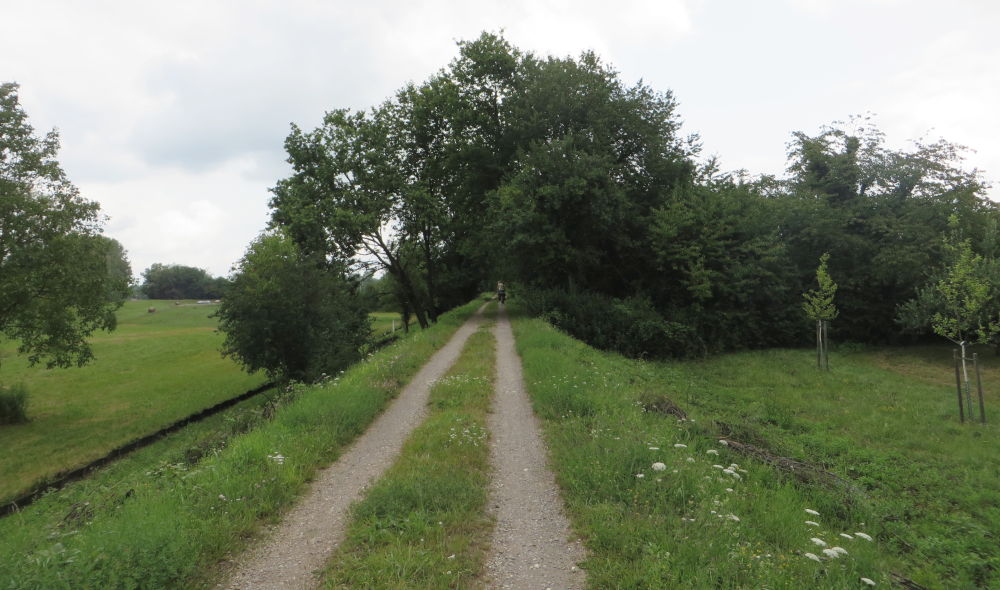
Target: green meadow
pixel 662 503
pixel 172 514
pixel 154 369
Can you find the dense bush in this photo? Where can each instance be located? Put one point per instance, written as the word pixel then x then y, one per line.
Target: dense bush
pixel 630 326
pixel 13 404
pixel 289 316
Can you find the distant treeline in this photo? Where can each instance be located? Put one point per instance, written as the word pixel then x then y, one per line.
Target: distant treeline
pixel 175 281
pixel 582 194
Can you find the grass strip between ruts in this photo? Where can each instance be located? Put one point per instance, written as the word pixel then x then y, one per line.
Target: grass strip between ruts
pixel 173 526
pixel 423 524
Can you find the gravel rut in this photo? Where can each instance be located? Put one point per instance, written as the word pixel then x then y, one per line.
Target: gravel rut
pixel 304 541
pixel 532 546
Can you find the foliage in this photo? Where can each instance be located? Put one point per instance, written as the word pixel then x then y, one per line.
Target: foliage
pixel 552 173
pixel 13 404
pixel 289 315
pixel 60 280
pixel 629 326
pixel 175 281
pixel 964 292
pixel 961 300
pixel 818 303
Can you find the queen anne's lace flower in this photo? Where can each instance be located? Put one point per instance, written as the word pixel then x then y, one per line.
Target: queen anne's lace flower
pixel 868 581
pixel 811 511
pixel 818 541
pixel 659 466
pixel 831 553
pixel 812 556
pixel 863 536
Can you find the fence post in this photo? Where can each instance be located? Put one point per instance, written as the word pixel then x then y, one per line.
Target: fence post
pixel 958 386
pixel 979 385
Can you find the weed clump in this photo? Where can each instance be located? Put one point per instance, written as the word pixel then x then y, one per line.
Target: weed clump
pixel 14 404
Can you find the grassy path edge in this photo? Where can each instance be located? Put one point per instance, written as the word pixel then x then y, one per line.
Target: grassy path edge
pixel 177 526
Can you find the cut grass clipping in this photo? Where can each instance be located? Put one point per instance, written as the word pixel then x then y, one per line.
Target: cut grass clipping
pixel 663 504
pixel 424 524
pixel 168 525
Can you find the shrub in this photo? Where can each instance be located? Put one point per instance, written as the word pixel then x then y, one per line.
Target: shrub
pixel 629 326
pixel 290 316
pixel 13 404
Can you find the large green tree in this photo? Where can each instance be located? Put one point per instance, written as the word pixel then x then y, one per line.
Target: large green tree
pixel 290 315
pixel 60 279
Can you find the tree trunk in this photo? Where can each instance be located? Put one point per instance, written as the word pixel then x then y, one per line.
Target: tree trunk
pixel 432 307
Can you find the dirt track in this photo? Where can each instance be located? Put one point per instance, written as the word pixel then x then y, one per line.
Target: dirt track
pixel 530 547
pixel 304 541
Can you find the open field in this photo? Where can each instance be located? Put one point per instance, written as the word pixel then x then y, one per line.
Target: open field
pixel 168 515
pixel 153 370
pixel 382 322
pixel 883 422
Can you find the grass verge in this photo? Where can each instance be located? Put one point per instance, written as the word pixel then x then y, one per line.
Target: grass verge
pixel 173 524
pixel 662 503
pixel 423 525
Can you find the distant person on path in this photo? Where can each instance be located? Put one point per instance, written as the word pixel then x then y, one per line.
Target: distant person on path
pixel 501 292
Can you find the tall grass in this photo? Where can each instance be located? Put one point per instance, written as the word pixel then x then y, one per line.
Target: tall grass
pixel 423 525
pixel 662 503
pixel 172 526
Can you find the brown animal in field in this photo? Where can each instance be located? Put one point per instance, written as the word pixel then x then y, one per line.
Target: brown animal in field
pixel 151 310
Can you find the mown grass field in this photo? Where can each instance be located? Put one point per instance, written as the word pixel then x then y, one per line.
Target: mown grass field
pixel 382 322
pixel 171 514
pixel 663 504
pixel 155 369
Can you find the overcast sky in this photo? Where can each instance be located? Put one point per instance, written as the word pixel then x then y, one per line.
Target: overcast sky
pixel 172 114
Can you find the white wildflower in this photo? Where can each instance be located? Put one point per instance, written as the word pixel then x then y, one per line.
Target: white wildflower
pixel 654 448
pixel 690 459
pixel 812 556
pixel 724 442
pixel 868 581
pixel 659 466
pixel 221 497
pixel 839 550
pixel 733 517
pixel 718 466
pixel 712 452
pixel 831 553
pixel 818 541
pixel 846 536
pixel 730 490
pixel 680 446
pixel 811 511
pixel 640 475
pixel 863 536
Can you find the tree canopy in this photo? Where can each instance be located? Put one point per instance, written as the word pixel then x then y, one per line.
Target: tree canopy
pixel 60 279
pixel 554 175
pixel 175 281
